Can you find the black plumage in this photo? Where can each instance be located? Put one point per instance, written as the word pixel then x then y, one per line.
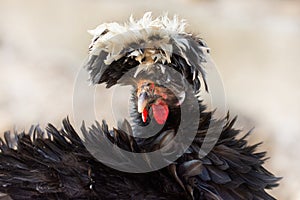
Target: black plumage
pixel 56 165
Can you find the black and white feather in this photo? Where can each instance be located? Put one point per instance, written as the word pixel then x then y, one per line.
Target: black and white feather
pixel 142 44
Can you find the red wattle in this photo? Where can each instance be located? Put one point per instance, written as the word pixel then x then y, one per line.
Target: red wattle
pixel 160 112
pixel 144 115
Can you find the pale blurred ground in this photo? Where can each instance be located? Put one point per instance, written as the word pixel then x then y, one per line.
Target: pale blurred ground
pixel 256 45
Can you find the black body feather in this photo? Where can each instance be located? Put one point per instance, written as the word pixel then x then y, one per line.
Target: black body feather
pixel 56 165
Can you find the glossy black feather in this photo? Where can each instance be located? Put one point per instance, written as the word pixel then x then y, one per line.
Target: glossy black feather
pixel 60 166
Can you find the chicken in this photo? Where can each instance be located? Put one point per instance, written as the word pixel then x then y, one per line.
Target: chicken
pixel 161 154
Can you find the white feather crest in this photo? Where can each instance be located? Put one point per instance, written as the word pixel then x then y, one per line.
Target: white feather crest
pixel 114 37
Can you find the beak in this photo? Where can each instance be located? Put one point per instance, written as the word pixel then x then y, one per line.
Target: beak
pixel 143 101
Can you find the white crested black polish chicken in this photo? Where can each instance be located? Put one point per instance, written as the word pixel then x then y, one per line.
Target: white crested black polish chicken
pixel 165 67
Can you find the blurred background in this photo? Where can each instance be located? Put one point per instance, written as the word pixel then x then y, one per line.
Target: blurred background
pixel 255 44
